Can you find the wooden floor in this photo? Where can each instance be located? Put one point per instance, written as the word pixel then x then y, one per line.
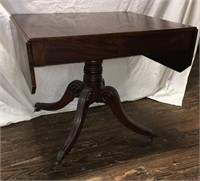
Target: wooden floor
pixel 106 150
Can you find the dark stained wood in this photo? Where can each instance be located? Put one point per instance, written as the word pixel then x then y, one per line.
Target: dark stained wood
pixel 111 98
pixel 73 90
pixel 28 149
pixel 65 45
pixel 82 107
pixel 64 38
pixel 90 91
pixel 41 27
pixel 171 165
pixel 77 37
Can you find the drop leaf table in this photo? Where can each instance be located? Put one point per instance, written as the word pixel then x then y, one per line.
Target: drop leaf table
pixel 52 39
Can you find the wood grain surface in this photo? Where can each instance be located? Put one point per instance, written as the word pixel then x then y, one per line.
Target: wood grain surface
pixel 55 26
pixel 107 150
pixel 79 37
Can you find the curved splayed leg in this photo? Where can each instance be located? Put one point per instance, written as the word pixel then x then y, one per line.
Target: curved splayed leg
pixel 111 98
pixel 83 104
pixel 73 90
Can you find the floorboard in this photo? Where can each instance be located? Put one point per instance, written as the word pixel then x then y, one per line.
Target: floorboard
pixel 107 150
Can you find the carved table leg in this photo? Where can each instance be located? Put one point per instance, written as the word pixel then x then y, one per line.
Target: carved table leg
pixel 91 90
pixel 83 104
pixel 73 90
pixel 111 98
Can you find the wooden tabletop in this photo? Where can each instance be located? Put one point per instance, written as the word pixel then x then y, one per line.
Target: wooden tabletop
pixel 43 26
pixel 76 37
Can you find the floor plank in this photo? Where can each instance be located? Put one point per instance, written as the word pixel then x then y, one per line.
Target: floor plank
pixel 169 165
pixel 106 149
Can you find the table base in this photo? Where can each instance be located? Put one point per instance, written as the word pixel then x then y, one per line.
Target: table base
pixel 91 90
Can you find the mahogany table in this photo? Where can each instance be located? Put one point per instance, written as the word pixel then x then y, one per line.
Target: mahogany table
pixel 52 39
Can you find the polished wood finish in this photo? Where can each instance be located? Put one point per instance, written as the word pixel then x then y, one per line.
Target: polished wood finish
pixel 73 90
pixel 91 90
pixel 40 27
pixel 106 150
pixel 83 104
pixel 90 37
pixel 77 37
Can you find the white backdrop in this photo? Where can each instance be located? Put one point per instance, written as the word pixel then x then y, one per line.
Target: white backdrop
pixel 134 77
